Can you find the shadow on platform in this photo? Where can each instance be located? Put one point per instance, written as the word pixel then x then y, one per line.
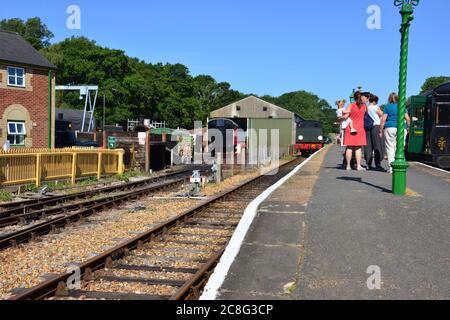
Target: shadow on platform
pixel 360 180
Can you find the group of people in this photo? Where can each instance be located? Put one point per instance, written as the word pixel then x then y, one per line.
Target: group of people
pixel 365 127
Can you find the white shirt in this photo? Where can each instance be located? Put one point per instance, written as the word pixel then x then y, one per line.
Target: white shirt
pixel 374 115
pixel 345 123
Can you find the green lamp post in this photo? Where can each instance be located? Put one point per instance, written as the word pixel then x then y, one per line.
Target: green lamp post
pixel 400 166
pixel 352 95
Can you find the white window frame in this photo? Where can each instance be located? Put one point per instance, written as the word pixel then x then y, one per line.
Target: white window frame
pixel 16 133
pixel 16 77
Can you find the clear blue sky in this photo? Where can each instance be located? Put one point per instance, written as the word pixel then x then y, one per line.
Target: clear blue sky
pixel 264 46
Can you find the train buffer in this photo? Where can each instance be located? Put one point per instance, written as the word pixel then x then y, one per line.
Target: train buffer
pixel 327 233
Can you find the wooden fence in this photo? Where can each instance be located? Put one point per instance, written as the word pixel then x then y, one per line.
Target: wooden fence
pixel 21 166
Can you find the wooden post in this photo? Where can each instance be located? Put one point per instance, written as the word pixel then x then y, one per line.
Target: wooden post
pixel 120 166
pixel 38 169
pixel 74 168
pixel 105 141
pixel 99 168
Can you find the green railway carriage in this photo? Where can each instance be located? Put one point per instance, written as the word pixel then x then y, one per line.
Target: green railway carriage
pixel 429 138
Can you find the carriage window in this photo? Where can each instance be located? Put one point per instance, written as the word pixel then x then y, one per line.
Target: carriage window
pixel 418 117
pixel 443 114
pixel 419 113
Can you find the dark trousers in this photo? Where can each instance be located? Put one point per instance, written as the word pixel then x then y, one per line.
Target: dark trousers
pixel 374 148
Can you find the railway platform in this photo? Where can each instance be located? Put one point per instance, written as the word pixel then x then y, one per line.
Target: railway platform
pixel 327 233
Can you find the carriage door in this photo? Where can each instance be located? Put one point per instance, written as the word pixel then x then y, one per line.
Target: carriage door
pixel 417 130
pixel 441 132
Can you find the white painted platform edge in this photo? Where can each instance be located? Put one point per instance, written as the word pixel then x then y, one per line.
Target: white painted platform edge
pixel 223 267
pixel 431 167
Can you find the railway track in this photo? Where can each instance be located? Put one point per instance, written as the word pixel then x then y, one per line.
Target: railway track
pixel 8 209
pixel 61 215
pixel 169 262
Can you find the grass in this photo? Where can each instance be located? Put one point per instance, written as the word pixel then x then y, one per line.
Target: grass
pixel 5 196
pixel 60 185
pixel 128 174
pixel 87 182
pixel 53 185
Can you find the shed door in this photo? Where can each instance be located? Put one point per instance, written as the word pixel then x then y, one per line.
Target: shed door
pixel 417 131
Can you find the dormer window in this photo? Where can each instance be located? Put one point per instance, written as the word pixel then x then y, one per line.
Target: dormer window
pixel 16 77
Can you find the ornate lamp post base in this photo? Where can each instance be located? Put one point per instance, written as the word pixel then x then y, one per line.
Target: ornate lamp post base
pixel 399 177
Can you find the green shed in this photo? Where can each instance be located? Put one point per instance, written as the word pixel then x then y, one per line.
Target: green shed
pixel 257 118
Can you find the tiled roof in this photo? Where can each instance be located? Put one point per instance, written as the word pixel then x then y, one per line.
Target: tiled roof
pixel 14 49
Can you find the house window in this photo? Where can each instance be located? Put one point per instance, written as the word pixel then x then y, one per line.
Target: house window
pixel 16 133
pixel 16 77
pixel 238 108
pixel 265 109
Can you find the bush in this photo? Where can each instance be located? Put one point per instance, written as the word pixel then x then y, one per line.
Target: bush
pixel 5 196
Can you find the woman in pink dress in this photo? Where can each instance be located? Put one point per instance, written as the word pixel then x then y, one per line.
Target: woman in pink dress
pixel 355 141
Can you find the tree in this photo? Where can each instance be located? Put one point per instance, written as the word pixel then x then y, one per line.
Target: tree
pixel 134 88
pixel 307 105
pixel 434 82
pixel 167 92
pixel 33 30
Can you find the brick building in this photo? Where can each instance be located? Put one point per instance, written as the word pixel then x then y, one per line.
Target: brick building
pixel 27 97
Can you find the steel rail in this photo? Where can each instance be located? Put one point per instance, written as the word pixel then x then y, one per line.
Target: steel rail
pixel 86 209
pixel 37 211
pixel 38 214
pixel 12 208
pixel 57 285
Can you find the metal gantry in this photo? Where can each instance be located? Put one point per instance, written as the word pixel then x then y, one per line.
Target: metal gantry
pixel 89 104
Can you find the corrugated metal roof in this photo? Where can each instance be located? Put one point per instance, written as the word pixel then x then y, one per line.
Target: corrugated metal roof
pixel 14 49
pixel 252 107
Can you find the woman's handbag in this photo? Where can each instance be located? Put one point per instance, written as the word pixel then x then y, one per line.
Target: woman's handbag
pixel 369 124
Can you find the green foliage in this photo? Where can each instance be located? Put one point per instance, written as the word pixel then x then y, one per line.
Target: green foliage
pixel 33 30
pixel 5 196
pixel 87 182
pixel 134 88
pixel 307 105
pixel 434 82
pixel 31 188
pixel 128 174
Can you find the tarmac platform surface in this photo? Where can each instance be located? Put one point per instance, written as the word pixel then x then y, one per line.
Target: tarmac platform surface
pixel 319 233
